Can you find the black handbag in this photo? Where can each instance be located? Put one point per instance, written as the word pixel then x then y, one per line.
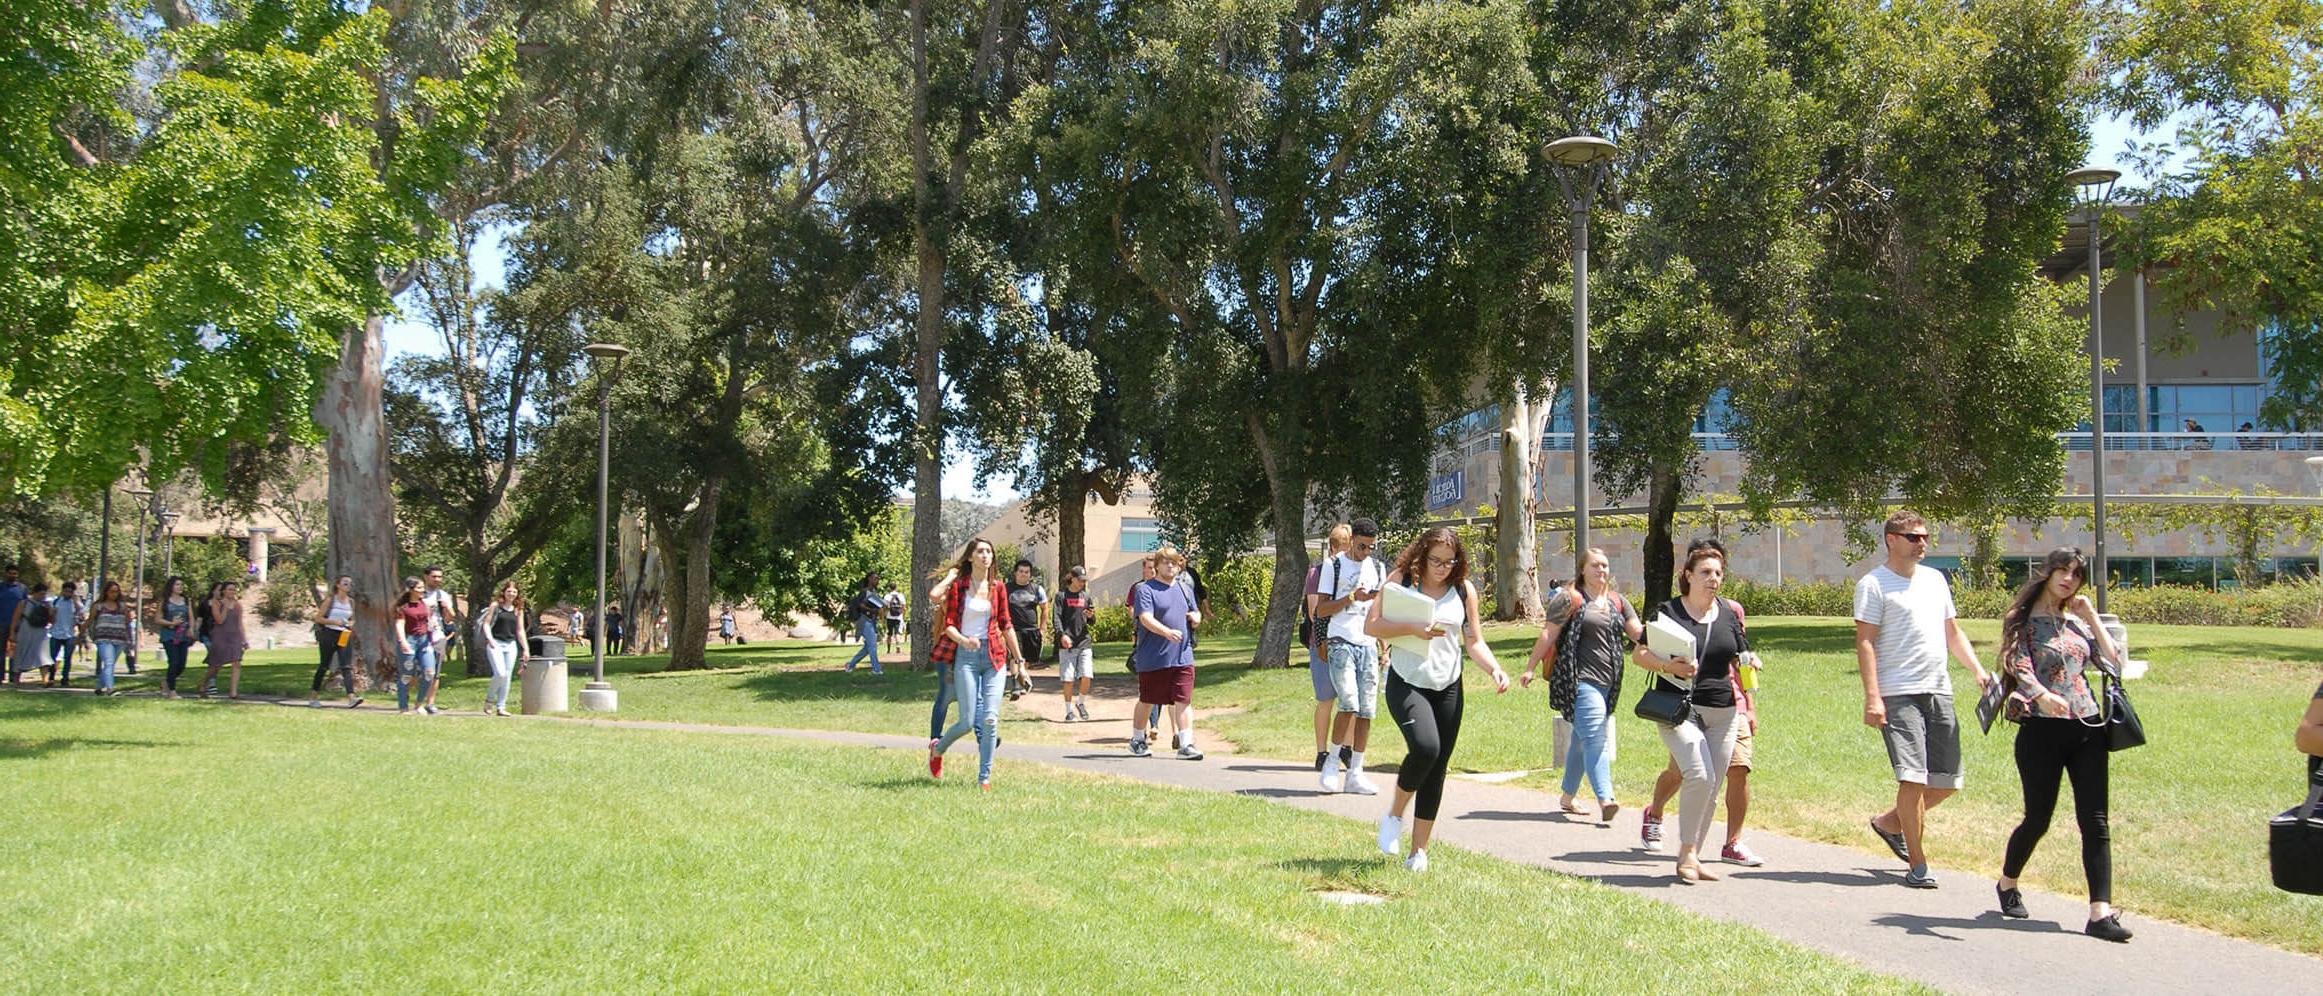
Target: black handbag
pixel 1665 706
pixel 2295 839
pixel 2123 730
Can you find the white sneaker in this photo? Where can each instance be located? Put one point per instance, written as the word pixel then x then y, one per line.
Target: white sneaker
pixel 1418 862
pixel 1331 771
pixel 314 703
pixel 1358 784
pixel 1390 835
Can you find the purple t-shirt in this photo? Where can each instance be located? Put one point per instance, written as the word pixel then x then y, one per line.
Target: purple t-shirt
pixel 1169 604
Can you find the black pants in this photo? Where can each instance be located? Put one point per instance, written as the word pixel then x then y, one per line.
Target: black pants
pixel 1029 641
pixel 1430 721
pixel 333 652
pixel 2045 750
pixel 176 652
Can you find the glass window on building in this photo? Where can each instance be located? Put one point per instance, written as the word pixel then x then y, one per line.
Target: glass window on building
pixel 2129 572
pixel 2294 568
pixel 1140 535
pixel 2196 572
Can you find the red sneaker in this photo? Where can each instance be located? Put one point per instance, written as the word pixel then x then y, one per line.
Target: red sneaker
pixel 935 760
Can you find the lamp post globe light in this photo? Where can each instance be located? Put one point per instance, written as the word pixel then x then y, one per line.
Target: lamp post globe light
pixel 2093 188
pixel 597 695
pixel 145 509
pixel 1582 163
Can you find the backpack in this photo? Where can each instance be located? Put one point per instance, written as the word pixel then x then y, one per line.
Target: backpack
pixel 37 613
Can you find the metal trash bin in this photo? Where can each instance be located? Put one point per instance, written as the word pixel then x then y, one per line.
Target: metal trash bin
pixel 544 678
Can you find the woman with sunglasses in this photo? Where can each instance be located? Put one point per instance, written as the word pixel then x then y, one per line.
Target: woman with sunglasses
pixel 2049 638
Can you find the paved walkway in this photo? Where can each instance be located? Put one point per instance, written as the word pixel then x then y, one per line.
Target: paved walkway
pixel 1821 896
pixel 1834 899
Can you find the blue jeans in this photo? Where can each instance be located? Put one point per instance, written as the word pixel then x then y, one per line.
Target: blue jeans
pixel 944 698
pixel 979 686
pixel 108 652
pixel 1587 753
pixel 867 630
pixel 415 667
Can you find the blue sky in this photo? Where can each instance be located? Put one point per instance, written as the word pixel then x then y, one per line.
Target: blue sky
pixel 2109 143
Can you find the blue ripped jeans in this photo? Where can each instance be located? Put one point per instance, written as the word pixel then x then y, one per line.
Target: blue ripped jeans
pixel 979 686
pixel 1587 754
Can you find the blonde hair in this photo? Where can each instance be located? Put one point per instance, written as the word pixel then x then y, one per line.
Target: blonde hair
pixel 1338 539
pixel 1169 553
pixel 1581 570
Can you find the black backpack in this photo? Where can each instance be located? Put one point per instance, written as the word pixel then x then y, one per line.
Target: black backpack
pixel 38 614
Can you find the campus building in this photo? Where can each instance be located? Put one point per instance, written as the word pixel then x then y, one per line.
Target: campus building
pixel 2182 395
pixel 1117 537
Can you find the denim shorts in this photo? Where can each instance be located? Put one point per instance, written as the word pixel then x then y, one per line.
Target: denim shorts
pixel 1355 677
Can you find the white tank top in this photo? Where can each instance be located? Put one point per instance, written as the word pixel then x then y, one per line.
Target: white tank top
pixel 1441 667
pixel 976 615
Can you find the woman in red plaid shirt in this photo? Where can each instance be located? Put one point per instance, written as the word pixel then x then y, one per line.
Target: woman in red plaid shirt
pixel 973 640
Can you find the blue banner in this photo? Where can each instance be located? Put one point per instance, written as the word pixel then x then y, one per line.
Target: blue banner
pixel 1448 489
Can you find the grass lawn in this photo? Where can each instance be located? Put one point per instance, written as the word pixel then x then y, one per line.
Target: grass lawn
pixel 2188 809
pixel 170 846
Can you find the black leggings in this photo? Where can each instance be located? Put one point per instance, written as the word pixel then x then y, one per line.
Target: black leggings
pixel 2046 749
pixel 1430 721
pixel 332 651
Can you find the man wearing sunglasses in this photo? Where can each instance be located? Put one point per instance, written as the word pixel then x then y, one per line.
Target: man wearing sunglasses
pixel 1904 625
pixel 1347 584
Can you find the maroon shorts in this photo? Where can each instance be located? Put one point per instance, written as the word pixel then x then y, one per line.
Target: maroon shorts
pixel 1166 686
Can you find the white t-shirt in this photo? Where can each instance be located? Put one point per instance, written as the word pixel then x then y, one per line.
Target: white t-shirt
pixel 895 605
pixel 1910 613
pixel 976 616
pixel 1441 667
pixel 439 603
pixel 1342 575
pixel 64 614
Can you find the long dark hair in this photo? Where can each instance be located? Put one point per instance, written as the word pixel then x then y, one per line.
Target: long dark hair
pixel 1410 562
pixel 112 593
pixel 965 567
pixel 175 584
pixel 2016 623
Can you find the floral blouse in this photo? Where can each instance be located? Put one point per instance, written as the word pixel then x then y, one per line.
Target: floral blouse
pixel 2060 652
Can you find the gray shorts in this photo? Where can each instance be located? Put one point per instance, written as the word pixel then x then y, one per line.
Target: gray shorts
pixel 1078 662
pixel 1923 740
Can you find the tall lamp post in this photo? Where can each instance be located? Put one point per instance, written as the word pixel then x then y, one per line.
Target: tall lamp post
pixel 2094 189
pixel 168 541
pixel 597 696
pixel 137 580
pixel 1582 163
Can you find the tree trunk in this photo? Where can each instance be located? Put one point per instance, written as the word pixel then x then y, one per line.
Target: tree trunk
pixel 1288 588
pixel 1663 492
pixel 1516 547
pixel 482 589
pixel 927 501
pixel 641 602
pixel 1072 525
pixel 361 501
pixel 686 555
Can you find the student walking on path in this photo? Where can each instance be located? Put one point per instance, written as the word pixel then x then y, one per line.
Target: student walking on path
pixel 1584 648
pixel 1905 623
pixel 1076 659
pixel 415 651
pixel 1738 767
pixel 1703 743
pixel 1028 615
pixel 866 606
pixel 65 617
pixel 173 623
pixel 894 620
pixel 1311 636
pixel 1424 689
pixel 1349 583
pixel 226 640
pixel 505 646
pixel 2049 639
pixel 444 622
pixel 28 634
pixel 334 639
pixel 109 629
pixel 1164 610
pixel 974 641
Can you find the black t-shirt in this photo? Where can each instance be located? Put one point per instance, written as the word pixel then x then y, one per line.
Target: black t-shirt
pixel 1201 594
pixel 1073 615
pixel 1024 604
pixel 503 624
pixel 1720 641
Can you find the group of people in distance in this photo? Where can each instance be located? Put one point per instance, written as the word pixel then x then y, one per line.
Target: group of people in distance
pixel 44 631
pixel 1906 632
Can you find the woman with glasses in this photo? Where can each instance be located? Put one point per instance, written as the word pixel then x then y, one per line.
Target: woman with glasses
pixel 2049 639
pixel 1423 687
pixel 1703 744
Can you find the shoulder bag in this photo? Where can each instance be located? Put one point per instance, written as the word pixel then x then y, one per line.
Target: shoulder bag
pixel 2123 730
pixel 2295 839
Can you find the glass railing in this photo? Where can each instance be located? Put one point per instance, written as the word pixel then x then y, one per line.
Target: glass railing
pixel 2291 442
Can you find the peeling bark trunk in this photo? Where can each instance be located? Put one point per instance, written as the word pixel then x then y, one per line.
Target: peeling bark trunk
pixel 1516 547
pixel 641 603
pixel 361 501
pixel 1072 525
pixel 686 577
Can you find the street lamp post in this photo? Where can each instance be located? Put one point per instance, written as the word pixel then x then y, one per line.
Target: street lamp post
pixel 2095 188
pixel 137 581
pixel 168 541
pixel 598 696
pixel 1582 163
pixel 105 541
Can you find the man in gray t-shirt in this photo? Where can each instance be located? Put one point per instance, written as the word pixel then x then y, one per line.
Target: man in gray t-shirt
pixel 1904 627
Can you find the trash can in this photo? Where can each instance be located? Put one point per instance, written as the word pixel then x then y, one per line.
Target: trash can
pixel 544 678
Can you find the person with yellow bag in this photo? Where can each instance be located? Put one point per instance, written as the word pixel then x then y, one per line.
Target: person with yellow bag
pixel 334 636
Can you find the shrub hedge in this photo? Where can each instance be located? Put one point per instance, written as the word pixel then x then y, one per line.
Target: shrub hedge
pixel 2296 603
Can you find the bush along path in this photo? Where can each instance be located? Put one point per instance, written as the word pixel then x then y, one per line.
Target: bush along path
pixel 1822 896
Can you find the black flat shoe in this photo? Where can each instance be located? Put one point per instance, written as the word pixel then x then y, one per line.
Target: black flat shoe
pixel 2109 929
pixel 2012 903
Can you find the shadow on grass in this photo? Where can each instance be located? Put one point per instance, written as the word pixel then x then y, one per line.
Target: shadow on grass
pixel 1934 926
pixel 55 745
pixel 1338 869
pixel 1283 793
pixel 901 784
